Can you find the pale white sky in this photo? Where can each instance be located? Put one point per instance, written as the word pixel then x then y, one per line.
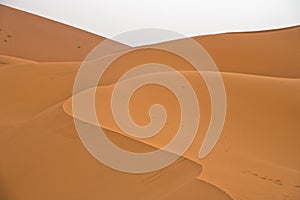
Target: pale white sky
pixel 188 17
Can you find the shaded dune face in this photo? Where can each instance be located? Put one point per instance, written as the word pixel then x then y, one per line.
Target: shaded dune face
pixel 249 147
pixel 54 163
pixel 42 157
pixel 262 108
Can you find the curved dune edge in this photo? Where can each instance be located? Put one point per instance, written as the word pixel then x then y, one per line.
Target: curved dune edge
pixel 58 84
pixel 4 59
pixel 59 78
pixel 272 52
pixel 275 53
pixel 75 169
pixel 41 156
pixel 53 161
pixel 266 167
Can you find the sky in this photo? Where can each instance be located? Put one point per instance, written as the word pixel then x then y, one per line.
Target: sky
pixel 109 18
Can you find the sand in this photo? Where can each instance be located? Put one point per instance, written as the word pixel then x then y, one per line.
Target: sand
pixel 42 156
pixel 47 40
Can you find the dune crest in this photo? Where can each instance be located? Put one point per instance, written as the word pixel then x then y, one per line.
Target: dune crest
pixel 32 37
pixel 42 157
pixel 236 141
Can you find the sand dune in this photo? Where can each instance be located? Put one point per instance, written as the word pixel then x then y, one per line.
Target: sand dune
pixel 47 40
pixel 8 60
pixel 271 53
pixel 42 157
pixel 274 53
pixel 263 169
pixel 46 135
pixel 250 148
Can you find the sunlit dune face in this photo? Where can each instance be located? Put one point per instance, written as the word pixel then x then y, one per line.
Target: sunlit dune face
pixel 43 157
pixel 151 94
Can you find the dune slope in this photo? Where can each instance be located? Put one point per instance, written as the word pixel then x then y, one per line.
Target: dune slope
pixel 32 37
pixel 42 157
pixel 51 163
pixel 259 144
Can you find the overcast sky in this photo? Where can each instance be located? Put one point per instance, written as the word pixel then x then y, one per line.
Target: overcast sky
pixel 188 17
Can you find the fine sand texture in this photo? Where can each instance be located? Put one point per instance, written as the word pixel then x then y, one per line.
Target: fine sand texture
pixel 24 35
pixel 42 157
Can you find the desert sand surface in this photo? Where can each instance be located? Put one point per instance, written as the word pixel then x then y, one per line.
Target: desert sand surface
pixel 50 161
pixel 42 156
pixel 259 152
pixel 47 40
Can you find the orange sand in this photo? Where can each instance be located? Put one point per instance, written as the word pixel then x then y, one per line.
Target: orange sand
pixel 41 156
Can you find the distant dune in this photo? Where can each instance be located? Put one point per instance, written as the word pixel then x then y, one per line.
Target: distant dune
pixel 29 36
pixel 42 157
pixel 271 53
